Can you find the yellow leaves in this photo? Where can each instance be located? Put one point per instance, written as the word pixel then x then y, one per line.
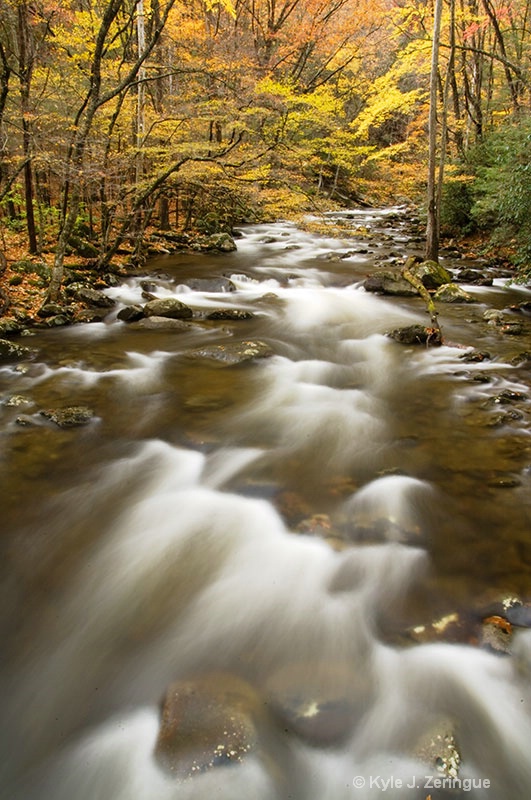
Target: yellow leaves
pixel 227 5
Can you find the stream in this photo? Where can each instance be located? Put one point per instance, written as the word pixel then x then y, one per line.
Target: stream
pixel 292 521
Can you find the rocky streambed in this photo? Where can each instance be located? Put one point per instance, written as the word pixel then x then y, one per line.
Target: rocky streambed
pixel 261 537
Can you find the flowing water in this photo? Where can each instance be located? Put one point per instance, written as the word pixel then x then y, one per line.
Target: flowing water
pixel 302 513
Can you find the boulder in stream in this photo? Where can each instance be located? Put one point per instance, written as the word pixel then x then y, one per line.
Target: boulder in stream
pixel 93 297
pixel 417 334
pixel 233 352
pixel 208 721
pixel 387 282
pixel 11 351
pixel 452 293
pixel 167 307
pixel 222 242
pixel 131 313
pixel 230 314
pixel 431 274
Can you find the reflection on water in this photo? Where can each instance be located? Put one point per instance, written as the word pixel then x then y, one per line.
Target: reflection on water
pixel 285 521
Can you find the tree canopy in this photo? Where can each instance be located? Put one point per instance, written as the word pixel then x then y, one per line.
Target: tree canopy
pixel 121 114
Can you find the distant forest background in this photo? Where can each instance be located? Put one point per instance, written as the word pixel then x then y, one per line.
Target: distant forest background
pixel 199 115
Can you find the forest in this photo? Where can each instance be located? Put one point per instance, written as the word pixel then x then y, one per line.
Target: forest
pixel 120 117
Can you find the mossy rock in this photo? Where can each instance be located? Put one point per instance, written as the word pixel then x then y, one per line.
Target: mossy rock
pixel 431 274
pixel 452 293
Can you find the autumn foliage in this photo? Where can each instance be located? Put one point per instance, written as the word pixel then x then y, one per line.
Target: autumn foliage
pixel 124 114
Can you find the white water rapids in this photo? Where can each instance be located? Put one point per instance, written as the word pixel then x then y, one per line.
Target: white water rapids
pixel 179 560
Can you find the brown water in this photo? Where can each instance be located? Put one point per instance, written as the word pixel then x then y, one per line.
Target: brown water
pixel 159 540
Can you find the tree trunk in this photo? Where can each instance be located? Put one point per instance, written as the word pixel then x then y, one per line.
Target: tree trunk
pixel 432 228
pixel 25 56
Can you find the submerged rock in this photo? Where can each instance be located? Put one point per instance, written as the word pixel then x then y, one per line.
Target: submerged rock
pixel 69 417
pixel 230 314
pixel 318 702
pixel 233 352
pixel 167 307
pixel 207 722
pixel 417 334
pixel 438 749
pixel 163 324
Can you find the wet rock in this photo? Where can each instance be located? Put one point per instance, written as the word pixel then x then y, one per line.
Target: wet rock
pixel 292 506
pixel 233 352
pixel 57 321
pixel 496 635
pixel 50 310
pixel 512 328
pixel 163 324
pixel 131 313
pixel 521 358
pixel 499 420
pixel 518 613
pixel 148 286
pixel 431 274
pixel 9 325
pixel 222 242
pixel 69 417
pixel 507 396
pixel 438 748
pixel 93 297
pixel 521 308
pixel 26 421
pixel 207 722
pixel 452 293
pixel 416 334
pixel 452 627
pixel 475 357
pixel 319 703
pixel 17 401
pixel 494 316
pixel 210 285
pixel 474 277
pixel 90 315
pixel 11 351
pixel 386 282
pixel 167 307
pixel 504 482
pixel 230 314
